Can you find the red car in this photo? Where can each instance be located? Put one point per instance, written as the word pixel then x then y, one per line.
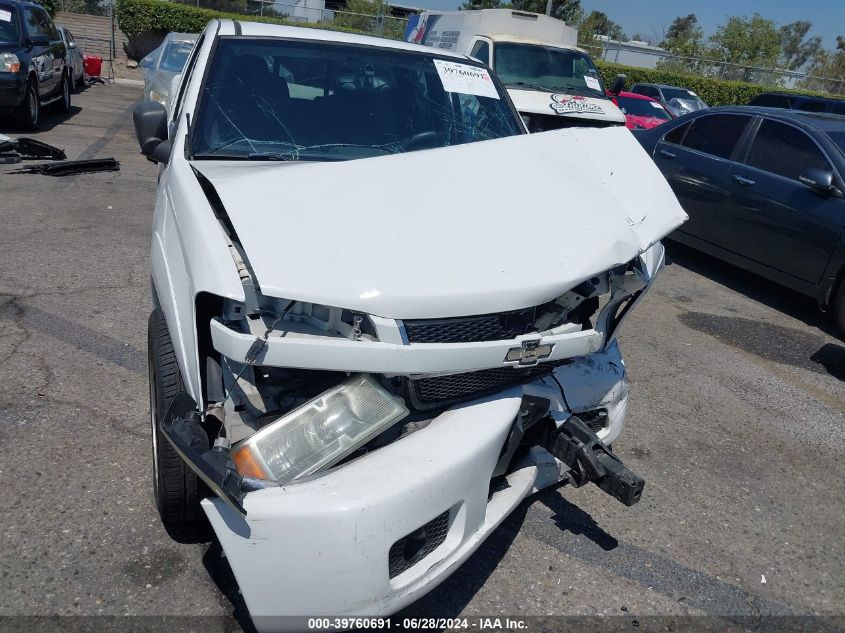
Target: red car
pixel 641 113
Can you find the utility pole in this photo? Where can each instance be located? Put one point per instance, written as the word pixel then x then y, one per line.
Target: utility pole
pixel 548 7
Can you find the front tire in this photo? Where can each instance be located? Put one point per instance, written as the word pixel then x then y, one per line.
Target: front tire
pixel 28 113
pixel 176 489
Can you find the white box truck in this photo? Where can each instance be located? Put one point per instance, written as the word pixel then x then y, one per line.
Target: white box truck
pixel 552 82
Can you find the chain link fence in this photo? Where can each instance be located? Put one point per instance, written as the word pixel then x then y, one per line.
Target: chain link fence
pixel 724 69
pixel 307 11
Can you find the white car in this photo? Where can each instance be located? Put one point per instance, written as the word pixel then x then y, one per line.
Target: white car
pixel 384 314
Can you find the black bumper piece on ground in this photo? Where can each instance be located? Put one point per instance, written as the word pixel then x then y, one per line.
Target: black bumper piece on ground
pixel 590 461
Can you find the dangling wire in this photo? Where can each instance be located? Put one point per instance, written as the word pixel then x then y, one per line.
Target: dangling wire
pixel 255 349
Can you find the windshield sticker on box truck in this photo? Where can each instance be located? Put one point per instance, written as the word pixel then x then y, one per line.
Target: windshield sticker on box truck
pixel 5 16
pixel 465 79
pixel 563 104
pixel 592 82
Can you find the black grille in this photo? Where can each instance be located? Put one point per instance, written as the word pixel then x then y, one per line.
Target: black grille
pixel 411 549
pixel 487 327
pixel 437 391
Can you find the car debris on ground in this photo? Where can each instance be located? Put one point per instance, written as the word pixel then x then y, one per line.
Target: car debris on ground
pixel 13 150
pixel 70 167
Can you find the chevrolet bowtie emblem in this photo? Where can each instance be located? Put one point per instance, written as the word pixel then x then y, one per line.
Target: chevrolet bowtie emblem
pixel 529 353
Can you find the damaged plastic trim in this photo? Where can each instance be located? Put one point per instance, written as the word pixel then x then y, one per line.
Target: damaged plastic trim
pixel 181 427
pixel 70 167
pixel 287 347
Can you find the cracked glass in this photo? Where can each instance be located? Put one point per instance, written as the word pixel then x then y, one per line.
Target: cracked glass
pixel 278 99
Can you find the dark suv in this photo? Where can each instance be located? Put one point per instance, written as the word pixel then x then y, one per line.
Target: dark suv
pixel 33 63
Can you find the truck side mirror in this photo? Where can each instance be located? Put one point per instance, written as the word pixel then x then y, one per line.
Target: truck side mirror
pixel 150 119
pixel 618 84
pixel 39 40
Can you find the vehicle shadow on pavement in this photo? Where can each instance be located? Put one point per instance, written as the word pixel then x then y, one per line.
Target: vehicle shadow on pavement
pixel 754 287
pixel 49 119
pixel 570 518
pixel 215 563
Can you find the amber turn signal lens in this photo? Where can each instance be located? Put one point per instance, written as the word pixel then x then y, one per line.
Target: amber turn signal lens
pixel 247 465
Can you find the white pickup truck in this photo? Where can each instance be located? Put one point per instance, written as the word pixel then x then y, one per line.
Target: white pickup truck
pixel 552 82
pixel 366 349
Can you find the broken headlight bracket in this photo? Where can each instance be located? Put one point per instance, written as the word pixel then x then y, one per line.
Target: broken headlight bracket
pixel 182 427
pixel 576 445
pixel 590 461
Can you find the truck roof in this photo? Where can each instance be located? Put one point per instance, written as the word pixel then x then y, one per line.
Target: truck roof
pixel 510 37
pixel 258 29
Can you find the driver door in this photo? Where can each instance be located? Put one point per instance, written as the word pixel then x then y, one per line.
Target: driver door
pixel 770 216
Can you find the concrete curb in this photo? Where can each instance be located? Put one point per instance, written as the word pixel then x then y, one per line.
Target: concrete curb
pixel 128 82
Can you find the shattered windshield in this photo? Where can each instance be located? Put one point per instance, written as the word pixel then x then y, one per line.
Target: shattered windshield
pixel 532 66
pixel 274 99
pixel 8 24
pixel 684 95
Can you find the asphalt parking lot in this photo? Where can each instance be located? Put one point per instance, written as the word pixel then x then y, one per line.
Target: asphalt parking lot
pixel 737 422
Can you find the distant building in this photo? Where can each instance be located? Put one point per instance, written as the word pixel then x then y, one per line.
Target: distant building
pixel 631 53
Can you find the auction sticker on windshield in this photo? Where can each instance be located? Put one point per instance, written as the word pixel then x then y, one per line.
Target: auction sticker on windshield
pixel 5 16
pixel 465 79
pixel 592 82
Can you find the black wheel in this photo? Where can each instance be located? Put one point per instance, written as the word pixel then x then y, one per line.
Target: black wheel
pixel 839 308
pixel 28 112
pixel 176 489
pixel 63 104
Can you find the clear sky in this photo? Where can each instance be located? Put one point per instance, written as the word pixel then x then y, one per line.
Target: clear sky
pixel 650 17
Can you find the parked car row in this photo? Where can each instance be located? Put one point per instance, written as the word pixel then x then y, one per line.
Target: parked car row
pixel 41 63
pixel 763 188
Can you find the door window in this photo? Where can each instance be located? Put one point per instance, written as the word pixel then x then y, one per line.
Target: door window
pixel 186 74
pixel 46 26
pixel 481 51
pixel 785 150
pixel 34 24
pixel 677 135
pixel 716 134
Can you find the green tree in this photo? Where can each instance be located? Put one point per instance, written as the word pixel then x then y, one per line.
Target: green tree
pixel 753 41
pixel 598 23
pixel 684 37
pixel 371 16
pixel 829 65
pixel 569 11
pixel 472 5
pixel 796 48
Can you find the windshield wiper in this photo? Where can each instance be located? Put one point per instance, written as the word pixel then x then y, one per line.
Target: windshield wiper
pixel 270 156
pixel 586 92
pixel 525 84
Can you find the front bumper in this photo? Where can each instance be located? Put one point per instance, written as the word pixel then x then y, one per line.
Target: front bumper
pixel 321 546
pixel 12 90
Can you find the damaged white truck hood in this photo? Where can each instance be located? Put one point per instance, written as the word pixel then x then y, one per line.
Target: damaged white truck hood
pixel 438 233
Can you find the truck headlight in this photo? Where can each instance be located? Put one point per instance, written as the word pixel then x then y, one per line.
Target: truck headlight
pixel 9 63
pixel 319 433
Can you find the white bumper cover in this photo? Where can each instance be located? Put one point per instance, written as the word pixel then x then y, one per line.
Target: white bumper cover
pixel 320 547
